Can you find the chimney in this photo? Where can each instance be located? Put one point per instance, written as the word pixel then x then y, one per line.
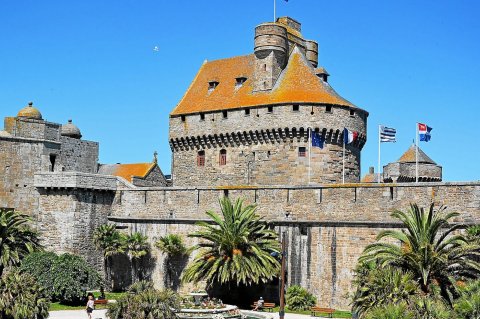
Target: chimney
pixel 371 170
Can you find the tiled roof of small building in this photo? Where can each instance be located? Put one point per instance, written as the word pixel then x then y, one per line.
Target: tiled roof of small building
pixel 127 171
pixel 410 154
pixel 370 178
pixel 297 83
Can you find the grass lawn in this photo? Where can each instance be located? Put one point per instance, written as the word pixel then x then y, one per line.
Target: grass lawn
pixel 337 314
pixel 109 295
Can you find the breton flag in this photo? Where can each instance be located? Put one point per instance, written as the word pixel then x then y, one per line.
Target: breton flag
pixel 424 132
pixel 317 139
pixel 349 136
pixel 387 134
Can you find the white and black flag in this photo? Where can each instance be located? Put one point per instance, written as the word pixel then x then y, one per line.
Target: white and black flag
pixel 387 134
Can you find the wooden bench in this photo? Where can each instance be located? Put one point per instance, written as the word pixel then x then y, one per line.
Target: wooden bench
pixel 266 305
pixel 328 311
pixel 100 302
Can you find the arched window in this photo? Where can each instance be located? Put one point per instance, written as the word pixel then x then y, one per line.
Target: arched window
pixel 201 158
pixel 223 157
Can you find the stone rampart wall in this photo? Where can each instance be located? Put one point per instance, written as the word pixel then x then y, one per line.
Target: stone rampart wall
pixel 327 227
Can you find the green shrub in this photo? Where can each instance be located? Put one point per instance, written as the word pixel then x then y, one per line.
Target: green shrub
pixel 73 276
pixel 150 303
pixel 299 298
pixel 64 278
pixel 21 297
pixel 391 311
pixel 39 265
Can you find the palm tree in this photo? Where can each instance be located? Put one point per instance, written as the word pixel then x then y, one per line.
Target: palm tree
pixel 22 297
pixel 136 247
pixel 238 246
pixel 17 239
pixel 172 245
pixel 430 248
pixel 109 240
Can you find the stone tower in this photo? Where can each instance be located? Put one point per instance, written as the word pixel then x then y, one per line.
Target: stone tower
pixel 247 120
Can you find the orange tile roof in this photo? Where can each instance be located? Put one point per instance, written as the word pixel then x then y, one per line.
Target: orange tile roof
pixel 297 83
pixel 128 170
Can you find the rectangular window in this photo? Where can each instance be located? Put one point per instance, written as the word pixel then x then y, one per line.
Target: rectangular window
pixel 270 109
pixel 202 117
pixel 223 157
pixel 295 108
pixel 352 112
pixel 247 112
pixel 328 109
pixel 225 114
pixel 201 158
pixel 183 118
pixel 52 162
pixel 302 151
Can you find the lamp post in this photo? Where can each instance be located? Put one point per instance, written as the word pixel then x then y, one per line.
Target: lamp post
pixel 281 311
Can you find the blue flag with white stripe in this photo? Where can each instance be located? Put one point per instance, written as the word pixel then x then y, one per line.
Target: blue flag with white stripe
pixel 387 134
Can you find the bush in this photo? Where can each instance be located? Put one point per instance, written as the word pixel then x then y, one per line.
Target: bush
pixel 21 297
pixel 73 276
pixel 39 265
pixel 390 312
pixel 64 278
pixel 150 303
pixel 299 298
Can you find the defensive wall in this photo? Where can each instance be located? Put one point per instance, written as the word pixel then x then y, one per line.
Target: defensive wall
pixel 327 226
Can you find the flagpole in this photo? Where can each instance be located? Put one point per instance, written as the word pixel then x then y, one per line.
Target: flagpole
pixel 416 153
pixel 343 165
pixel 309 132
pixel 378 167
pixel 274 10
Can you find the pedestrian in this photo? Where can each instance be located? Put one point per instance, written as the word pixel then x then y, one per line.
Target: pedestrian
pixel 259 305
pixel 90 306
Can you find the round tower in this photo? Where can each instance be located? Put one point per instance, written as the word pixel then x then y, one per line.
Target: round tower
pixel 270 37
pixel 312 52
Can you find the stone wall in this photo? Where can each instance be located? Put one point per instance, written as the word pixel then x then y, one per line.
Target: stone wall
pixel 154 178
pixel 268 155
pixel 79 155
pixel 327 226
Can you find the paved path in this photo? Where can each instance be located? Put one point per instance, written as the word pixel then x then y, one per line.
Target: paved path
pixel 100 314
pixel 77 314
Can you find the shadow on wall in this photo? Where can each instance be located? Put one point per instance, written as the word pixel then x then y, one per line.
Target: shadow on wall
pixel 174 267
pixel 121 270
pixel 243 296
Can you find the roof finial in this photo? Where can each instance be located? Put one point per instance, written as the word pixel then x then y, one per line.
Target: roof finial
pixel 155 159
pixel 30 103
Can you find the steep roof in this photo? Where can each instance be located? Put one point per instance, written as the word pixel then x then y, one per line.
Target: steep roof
pixel 409 156
pixel 297 83
pixel 127 171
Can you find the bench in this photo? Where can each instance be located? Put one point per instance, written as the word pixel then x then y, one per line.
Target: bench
pixel 328 311
pixel 266 305
pixel 100 302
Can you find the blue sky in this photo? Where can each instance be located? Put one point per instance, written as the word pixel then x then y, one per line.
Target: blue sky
pixel 93 61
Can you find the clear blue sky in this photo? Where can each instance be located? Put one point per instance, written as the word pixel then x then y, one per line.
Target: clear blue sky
pixel 93 61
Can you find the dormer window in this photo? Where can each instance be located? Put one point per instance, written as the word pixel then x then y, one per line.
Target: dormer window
pixel 212 85
pixel 239 81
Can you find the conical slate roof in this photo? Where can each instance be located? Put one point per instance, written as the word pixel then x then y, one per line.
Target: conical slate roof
pixel 409 156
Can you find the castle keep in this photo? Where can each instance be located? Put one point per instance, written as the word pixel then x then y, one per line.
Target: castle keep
pixel 241 130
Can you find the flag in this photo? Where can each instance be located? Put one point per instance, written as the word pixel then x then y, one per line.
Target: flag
pixel 387 134
pixel 424 132
pixel 349 136
pixel 317 139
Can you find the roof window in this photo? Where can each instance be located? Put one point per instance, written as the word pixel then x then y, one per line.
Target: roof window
pixel 239 81
pixel 212 85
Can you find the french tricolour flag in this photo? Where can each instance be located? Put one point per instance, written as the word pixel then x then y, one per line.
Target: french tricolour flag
pixel 349 136
pixel 424 132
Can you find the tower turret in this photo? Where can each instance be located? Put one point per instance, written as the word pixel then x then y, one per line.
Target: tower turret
pixel 312 52
pixel 271 48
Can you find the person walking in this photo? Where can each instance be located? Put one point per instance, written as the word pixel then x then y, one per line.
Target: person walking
pixel 90 306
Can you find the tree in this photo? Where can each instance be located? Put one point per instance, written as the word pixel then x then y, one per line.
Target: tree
pixel 176 252
pixel 21 297
pixel 430 248
pixel 39 264
pixel 17 239
pixel 109 240
pixel 237 247
pixel 136 247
